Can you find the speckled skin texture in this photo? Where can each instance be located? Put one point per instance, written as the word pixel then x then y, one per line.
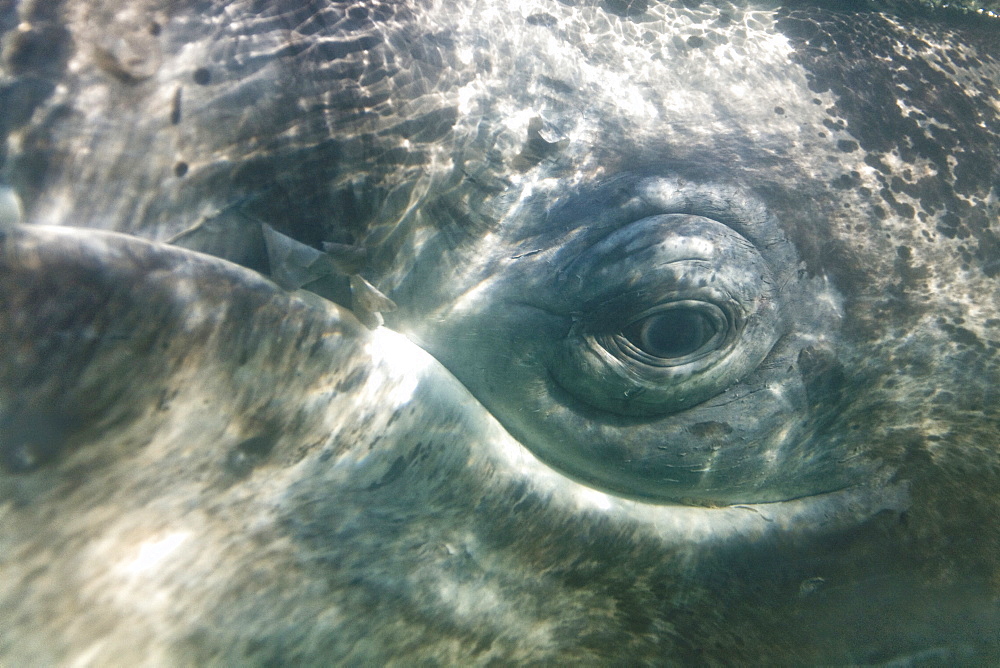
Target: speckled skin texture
pixel 198 467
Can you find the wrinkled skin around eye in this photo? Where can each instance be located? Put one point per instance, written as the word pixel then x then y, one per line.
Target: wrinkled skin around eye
pixel 649 315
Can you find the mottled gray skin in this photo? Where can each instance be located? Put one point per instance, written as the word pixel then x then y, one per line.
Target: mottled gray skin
pixel 200 467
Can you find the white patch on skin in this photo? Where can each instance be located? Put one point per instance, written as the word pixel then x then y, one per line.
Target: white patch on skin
pixel 465 55
pixel 141 574
pixel 922 123
pixel 468 98
pixel 152 553
pixel 88 656
pixel 471 299
pixel 829 297
pixel 919 167
pixel 483 604
pixel 196 312
pixel 591 499
pixel 517 122
pixel 738 90
pixel 392 353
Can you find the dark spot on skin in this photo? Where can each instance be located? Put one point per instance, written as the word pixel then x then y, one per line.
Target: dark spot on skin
pixel 948 225
pixel 542 19
pixel 557 85
pixel 180 169
pixel 780 111
pixel 202 76
pixel 962 336
pixel 394 473
pixel 876 162
pixel 396 414
pixel 710 430
pixel 41 50
pixel 483 645
pixel 900 302
pixel 988 253
pixel 126 67
pixel 354 379
pixel 845 181
pixel 901 209
pixel 695 42
pixel 536 147
pixel 175 107
pixel 249 454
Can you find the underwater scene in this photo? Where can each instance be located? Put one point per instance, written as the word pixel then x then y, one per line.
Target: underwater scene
pixel 499 332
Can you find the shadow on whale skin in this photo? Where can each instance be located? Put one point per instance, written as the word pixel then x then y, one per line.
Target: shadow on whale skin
pixel 717 285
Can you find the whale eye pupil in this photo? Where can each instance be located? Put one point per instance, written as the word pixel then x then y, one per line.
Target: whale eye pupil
pixel 674 333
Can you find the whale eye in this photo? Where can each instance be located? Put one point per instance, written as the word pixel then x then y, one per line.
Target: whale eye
pixel 673 309
pixel 645 339
pixel 671 334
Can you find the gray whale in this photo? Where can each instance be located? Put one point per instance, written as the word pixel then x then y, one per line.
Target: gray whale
pixel 689 350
